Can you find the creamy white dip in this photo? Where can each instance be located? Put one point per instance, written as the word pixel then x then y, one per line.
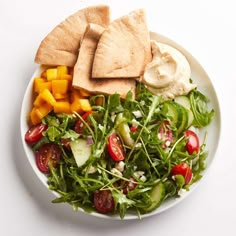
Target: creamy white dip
pixel 168 74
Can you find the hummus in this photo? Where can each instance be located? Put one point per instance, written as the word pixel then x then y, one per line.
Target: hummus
pixel 168 74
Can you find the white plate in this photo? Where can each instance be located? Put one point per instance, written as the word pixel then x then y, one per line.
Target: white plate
pixel 199 77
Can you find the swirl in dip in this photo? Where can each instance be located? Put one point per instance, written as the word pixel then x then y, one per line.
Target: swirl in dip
pixel 168 74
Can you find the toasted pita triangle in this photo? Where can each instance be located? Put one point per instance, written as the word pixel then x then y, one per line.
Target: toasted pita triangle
pixel 83 68
pixel 60 46
pixel 124 48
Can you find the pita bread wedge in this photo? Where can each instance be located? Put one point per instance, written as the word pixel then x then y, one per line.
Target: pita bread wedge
pixel 60 46
pixel 83 68
pixel 124 48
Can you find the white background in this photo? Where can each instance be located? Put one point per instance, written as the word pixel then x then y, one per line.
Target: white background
pixel 207 29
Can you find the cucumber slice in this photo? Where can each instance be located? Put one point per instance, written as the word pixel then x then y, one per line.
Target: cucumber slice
pixel 178 114
pixel 124 130
pixel 185 102
pixel 174 113
pixel 81 151
pixel 184 122
pixel 157 194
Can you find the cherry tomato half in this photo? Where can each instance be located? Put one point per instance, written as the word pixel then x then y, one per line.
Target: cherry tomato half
pixel 129 186
pixel 79 126
pixel 48 152
pixel 103 201
pixel 35 133
pixel 193 143
pixel 184 170
pixel 115 148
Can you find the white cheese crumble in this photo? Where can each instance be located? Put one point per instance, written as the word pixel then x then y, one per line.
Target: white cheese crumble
pixel 120 166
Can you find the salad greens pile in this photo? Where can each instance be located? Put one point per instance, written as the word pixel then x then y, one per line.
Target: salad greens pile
pixel 152 137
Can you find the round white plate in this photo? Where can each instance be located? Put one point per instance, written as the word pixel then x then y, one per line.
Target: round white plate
pixel 199 77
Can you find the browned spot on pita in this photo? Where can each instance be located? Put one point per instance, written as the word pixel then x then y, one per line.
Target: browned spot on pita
pixel 124 48
pixel 60 46
pixel 83 68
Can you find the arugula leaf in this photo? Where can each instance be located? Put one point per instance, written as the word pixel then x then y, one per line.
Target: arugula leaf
pixel 199 107
pixel 122 202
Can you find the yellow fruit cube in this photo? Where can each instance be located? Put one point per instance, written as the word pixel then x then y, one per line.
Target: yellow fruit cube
pixel 75 107
pixel 38 81
pixel 51 74
pixel 39 101
pixel 62 107
pixel 62 70
pixel 47 96
pixel 34 117
pixel 67 77
pixel 44 85
pixel 43 110
pixel 59 96
pixel 60 86
pixel 85 105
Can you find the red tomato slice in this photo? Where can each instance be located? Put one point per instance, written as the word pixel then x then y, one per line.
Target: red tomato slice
pixel 79 126
pixel 193 143
pixel 115 148
pixel 48 152
pixel 103 201
pixel 35 133
pixel 184 170
pixel 129 186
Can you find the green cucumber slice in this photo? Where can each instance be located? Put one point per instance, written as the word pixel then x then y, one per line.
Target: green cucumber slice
pixel 178 114
pixel 174 113
pixel 185 102
pixel 184 122
pixel 157 194
pixel 124 130
pixel 81 151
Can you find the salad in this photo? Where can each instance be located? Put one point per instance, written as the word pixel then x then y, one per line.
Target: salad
pixel 123 154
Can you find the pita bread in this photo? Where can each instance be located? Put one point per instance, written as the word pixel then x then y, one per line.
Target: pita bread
pixel 60 46
pixel 124 48
pixel 83 68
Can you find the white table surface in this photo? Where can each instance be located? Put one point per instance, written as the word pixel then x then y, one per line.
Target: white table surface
pixel 207 29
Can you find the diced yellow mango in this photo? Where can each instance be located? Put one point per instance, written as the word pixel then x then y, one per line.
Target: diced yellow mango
pixel 67 77
pixel 44 85
pixel 34 117
pixel 47 96
pixel 62 70
pixel 38 81
pixel 39 101
pixel 59 96
pixel 51 74
pixel 75 106
pixel 60 86
pixel 62 107
pixel 85 105
pixel 43 110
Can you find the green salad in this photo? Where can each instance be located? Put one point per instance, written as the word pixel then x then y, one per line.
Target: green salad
pixel 123 155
